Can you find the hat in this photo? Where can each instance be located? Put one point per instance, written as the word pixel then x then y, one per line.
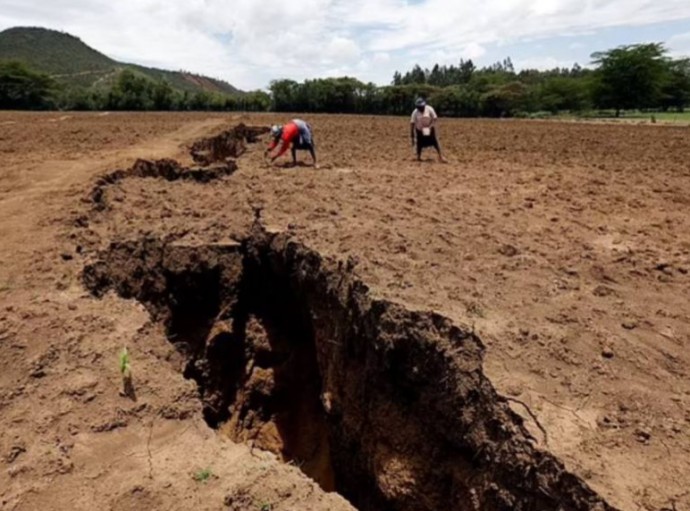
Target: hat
pixel 420 102
pixel 276 131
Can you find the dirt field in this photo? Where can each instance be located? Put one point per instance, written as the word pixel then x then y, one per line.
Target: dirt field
pixel 563 249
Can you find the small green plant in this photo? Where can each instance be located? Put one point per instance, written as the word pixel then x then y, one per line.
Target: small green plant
pixel 266 507
pixel 125 367
pixel 203 475
pixel 125 364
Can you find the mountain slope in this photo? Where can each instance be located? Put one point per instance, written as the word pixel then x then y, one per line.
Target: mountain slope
pixel 67 59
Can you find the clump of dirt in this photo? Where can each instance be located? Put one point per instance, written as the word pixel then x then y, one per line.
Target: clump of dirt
pixel 228 144
pixel 389 407
pixel 167 169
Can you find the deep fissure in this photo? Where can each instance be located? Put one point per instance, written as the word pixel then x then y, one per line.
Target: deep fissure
pixel 389 407
pixel 214 156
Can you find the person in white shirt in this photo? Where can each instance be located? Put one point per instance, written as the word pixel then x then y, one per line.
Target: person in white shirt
pixel 423 129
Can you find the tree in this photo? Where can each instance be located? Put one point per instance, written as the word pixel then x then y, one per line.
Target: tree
pixel 456 101
pixel 675 92
pixel 465 71
pixel 163 96
pixel 560 93
pixel 77 98
pixel 284 95
pixel 506 100
pixel 414 77
pixel 257 101
pixel 21 88
pixel 131 92
pixel 437 76
pixel 201 101
pixel 629 76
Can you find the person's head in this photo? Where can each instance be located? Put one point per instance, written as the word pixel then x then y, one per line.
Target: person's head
pixel 420 104
pixel 276 131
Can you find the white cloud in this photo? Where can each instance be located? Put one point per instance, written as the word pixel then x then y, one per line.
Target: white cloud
pixel 541 63
pixel 381 58
pixel 679 45
pixel 473 51
pixel 248 42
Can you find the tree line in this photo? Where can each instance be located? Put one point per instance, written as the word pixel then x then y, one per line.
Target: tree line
pixel 634 77
pixel 22 88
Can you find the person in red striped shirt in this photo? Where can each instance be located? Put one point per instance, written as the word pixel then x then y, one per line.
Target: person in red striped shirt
pixel 296 135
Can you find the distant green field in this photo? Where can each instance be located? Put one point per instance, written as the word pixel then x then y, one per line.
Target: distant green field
pixel 681 117
pixel 660 116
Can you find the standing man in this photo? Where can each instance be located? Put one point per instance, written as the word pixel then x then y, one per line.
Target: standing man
pixel 297 135
pixel 423 127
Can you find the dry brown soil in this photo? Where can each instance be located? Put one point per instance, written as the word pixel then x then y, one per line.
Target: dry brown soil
pixel 564 247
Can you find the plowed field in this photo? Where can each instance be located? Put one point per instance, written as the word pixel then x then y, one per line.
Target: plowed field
pixel 561 250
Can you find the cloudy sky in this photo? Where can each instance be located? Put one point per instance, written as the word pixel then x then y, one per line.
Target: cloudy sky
pixel 250 42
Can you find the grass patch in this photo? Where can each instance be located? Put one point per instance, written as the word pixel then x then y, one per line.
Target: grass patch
pixel 203 476
pixel 632 115
pixel 660 116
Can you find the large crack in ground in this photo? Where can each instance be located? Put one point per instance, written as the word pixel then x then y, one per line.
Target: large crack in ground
pixel 215 157
pixel 387 406
pixel 228 144
pixel 167 169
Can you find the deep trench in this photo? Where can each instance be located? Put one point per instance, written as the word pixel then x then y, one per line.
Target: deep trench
pixel 214 156
pixel 388 407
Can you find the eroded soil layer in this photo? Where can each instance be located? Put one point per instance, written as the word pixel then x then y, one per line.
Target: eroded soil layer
pixel 228 144
pixel 167 169
pixel 215 157
pixel 388 406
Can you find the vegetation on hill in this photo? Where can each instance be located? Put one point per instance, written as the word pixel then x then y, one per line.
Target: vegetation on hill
pixel 21 88
pixel 135 91
pixel 74 65
pixel 51 52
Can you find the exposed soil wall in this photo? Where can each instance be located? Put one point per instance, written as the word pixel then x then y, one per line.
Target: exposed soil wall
pixel 214 155
pixel 167 169
pixel 389 407
pixel 228 144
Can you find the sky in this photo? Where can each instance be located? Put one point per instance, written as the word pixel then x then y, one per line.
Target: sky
pixel 251 42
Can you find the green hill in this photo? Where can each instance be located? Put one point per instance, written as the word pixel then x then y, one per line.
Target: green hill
pixel 71 62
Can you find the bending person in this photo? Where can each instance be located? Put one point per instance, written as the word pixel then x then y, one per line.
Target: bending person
pixel 296 135
pixel 423 127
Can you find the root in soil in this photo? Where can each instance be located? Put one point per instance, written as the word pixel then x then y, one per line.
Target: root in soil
pixel 387 406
